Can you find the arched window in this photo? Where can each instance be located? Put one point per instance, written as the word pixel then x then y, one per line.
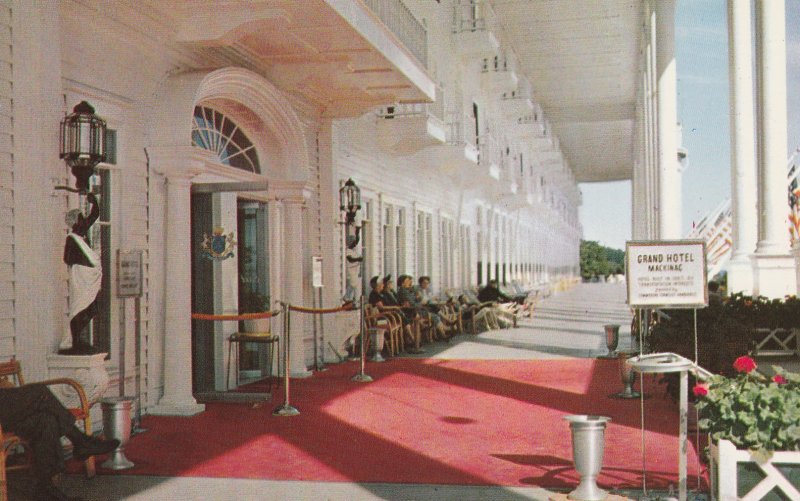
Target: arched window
pixel 213 131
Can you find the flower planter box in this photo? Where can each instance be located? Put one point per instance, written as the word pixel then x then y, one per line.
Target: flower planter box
pixel 735 474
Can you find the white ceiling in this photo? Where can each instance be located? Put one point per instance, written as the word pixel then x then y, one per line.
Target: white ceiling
pixel 581 57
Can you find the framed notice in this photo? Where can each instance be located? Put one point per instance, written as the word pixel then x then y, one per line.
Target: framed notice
pixel 666 273
pixel 129 273
pixel 316 271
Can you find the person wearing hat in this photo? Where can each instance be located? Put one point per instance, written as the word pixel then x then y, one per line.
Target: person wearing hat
pixel 410 328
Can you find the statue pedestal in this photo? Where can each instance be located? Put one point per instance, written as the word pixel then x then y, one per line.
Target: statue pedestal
pixel 90 371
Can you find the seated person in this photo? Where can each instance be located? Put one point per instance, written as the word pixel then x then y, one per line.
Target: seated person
pixel 388 301
pixel 33 413
pixel 504 308
pixel 408 298
pixel 492 293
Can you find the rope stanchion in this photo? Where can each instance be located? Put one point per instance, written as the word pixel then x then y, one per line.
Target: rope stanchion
pixel 362 377
pixel 241 316
pixel 286 409
pixel 303 309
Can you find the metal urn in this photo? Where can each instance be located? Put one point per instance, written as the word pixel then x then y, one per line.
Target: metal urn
pixel 117 424
pixel 377 344
pixel 588 441
pixel 628 376
pixel 612 339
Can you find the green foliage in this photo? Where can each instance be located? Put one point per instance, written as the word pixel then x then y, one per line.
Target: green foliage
pixel 597 260
pixel 752 412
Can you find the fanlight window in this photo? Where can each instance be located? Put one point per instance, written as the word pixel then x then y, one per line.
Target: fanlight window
pixel 213 131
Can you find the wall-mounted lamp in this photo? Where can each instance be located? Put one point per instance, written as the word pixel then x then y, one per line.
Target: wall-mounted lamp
pixel 349 200
pixel 83 143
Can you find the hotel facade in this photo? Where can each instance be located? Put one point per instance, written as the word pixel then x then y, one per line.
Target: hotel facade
pixel 466 124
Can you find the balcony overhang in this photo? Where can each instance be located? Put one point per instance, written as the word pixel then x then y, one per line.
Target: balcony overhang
pixel 514 108
pixel 498 82
pixel 407 134
pixel 337 54
pixel 476 44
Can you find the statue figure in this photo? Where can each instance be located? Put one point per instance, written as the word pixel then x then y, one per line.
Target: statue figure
pixel 85 277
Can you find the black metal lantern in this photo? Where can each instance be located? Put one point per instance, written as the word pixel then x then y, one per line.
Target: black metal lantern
pixel 83 143
pixel 350 200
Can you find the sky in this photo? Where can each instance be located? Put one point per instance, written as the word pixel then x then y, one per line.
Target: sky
pixel 701 52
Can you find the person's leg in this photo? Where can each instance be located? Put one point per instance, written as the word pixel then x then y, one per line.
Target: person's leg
pixel 42 432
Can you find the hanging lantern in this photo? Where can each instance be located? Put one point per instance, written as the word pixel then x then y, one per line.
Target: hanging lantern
pixel 350 200
pixel 83 142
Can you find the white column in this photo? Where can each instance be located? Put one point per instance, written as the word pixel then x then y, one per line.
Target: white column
pixel 293 283
pixel 743 169
pixel 669 190
pixel 177 399
pixel 774 274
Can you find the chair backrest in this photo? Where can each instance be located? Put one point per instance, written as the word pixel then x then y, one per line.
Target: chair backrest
pixel 11 374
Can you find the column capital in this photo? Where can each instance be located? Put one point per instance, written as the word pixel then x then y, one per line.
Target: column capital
pixel 178 161
pixel 290 192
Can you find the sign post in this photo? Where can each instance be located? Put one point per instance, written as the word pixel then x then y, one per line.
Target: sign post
pixel 666 274
pixel 319 344
pixel 129 284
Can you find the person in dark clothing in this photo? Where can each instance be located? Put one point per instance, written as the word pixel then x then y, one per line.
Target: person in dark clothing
pixel 492 293
pixel 375 295
pixel 33 413
pixel 388 302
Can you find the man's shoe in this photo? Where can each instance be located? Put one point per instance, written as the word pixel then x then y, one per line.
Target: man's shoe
pixel 93 446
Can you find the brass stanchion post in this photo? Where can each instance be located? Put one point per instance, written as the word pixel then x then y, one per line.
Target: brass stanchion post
pixel 285 409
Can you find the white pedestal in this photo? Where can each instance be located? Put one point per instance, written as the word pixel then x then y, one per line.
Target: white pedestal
pixel 90 371
pixel 774 276
pixel 796 254
pixel 740 276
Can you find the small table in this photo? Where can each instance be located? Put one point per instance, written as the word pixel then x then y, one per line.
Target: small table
pixel 266 338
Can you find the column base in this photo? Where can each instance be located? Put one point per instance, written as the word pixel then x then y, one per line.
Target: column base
pixel 774 276
pixel 300 373
pixel 176 409
pixel 740 275
pixel 90 371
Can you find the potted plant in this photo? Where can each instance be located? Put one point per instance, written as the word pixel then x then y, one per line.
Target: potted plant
pixel 251 301
pixel 754 427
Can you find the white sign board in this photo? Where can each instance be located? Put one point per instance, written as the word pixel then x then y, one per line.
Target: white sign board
pixel 316 271
pixel 666 273
pixel 129 273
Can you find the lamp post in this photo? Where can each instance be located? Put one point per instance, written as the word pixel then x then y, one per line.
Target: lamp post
pixel 83 143
pixel 350 204
pixel 83 139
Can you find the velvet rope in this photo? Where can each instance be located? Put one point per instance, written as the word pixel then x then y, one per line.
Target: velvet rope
pixel 302 309
pixel 243 316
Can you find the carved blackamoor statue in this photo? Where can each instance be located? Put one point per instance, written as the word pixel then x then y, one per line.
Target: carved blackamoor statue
pixel 85 277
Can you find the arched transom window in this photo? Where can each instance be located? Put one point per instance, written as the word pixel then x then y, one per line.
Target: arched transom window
pixel 213 131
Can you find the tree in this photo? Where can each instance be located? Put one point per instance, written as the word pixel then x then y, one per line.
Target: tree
pixel 597 260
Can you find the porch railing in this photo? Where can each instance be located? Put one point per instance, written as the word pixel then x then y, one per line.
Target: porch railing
pixel 400 21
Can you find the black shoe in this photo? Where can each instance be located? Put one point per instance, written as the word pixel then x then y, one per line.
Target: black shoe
pixel 93 446
pixel 49 492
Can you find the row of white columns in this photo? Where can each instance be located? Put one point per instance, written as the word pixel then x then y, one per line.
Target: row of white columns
pixel 657 201
pixel 761 262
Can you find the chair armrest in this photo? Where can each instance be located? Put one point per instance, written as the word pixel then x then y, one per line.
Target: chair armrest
pixel 75 386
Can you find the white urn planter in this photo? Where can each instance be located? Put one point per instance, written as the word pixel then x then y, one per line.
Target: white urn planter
pixel 736 474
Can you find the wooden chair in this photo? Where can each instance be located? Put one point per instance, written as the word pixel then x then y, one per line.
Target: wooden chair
pixel 11 376
pixel 389 323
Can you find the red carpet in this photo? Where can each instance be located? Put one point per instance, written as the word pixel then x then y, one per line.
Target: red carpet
pixel 424 421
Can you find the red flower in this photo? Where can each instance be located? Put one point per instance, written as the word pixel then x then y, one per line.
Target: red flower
pixel 777 378
pixel 744 364
pixel 700 390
